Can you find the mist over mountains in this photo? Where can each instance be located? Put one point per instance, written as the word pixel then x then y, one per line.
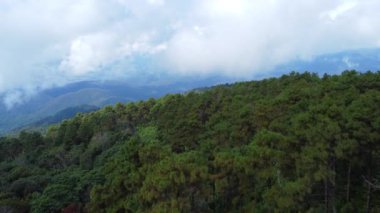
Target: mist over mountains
pixel 361 59
pixel 80 96
pixel 189 106
pixel 101 93
pixel 295 143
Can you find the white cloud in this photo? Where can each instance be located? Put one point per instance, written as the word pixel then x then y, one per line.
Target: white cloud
pixel 246 37
pixel 93 52
pixel 13 98
pixel 45 43
pixel 341 9
pixel 87 53
pixel 156 2
pixel 226 7
pixel 35 36
pixel 350 64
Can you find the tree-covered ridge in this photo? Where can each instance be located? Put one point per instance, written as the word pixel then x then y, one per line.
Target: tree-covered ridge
pixel 298 143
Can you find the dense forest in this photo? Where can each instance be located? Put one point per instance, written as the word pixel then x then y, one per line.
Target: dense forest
pixel 297 143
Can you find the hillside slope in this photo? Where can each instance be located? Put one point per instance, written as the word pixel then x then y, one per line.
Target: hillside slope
pixel 43 124
pixel 297 143
pixel 50 102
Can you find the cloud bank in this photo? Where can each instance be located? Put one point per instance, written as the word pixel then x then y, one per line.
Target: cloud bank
pixel 49 43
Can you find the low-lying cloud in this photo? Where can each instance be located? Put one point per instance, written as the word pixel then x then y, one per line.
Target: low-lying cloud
pixel 49 43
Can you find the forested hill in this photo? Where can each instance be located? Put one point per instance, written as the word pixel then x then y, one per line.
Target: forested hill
pixel 297 143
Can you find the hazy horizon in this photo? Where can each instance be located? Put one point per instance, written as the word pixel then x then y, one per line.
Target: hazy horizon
pixel 45 44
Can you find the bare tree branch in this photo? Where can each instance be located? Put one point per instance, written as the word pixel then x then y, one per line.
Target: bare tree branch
pixel 374 186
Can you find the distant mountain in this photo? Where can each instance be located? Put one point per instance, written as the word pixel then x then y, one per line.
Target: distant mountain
pixel 98 94
pixel 361 60
pixel 67 113
pixel 43 108
pixel 287 144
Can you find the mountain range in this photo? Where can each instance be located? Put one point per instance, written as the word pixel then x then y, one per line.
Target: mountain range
pixel 54 105
pixel 50 105
pixel 296 143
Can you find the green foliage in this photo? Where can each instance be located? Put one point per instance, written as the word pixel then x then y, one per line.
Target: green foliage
pixel 297 143
pixel 53 198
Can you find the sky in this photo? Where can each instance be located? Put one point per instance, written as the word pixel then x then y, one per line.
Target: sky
pixel 44 44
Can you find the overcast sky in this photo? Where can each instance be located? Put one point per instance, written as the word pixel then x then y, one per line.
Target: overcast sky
pixel 45 43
